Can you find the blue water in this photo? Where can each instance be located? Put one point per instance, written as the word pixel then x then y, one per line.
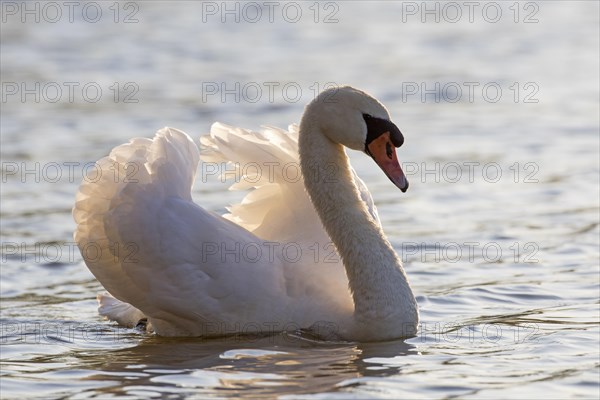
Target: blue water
pixel 499 230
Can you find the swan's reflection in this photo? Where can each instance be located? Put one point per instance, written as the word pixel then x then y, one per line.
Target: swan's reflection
pixel 268 366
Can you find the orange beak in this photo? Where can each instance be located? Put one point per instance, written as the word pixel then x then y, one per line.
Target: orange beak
pixel 383 152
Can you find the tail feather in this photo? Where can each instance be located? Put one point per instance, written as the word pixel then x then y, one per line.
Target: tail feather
pixel 118 311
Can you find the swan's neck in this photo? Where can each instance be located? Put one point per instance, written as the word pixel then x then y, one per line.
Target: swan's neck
pixel 377 281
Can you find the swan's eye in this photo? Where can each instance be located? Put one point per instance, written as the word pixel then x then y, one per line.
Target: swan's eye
pixel 367 116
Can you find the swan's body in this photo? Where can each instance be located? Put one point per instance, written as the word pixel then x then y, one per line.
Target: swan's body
pixel 268 266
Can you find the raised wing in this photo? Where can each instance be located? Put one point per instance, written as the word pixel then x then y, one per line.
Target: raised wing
pixel 151 246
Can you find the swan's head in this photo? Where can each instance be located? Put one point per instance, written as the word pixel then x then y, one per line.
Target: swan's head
pixel 358 121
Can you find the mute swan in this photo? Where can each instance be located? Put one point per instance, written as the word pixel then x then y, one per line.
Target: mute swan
pixel 297 254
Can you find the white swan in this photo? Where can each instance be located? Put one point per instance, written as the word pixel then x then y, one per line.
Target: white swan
pixel 269 265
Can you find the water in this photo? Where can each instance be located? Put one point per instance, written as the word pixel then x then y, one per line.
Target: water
pixel 505 267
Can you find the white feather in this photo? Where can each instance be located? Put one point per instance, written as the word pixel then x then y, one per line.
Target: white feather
pixel 192 272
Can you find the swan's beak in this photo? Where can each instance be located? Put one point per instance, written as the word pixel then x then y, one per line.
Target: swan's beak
pixel 383 151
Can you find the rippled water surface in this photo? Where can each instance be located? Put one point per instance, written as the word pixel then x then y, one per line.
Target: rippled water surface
pixel 498 231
